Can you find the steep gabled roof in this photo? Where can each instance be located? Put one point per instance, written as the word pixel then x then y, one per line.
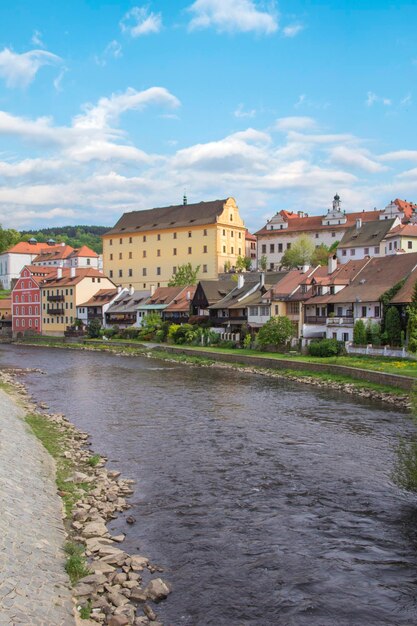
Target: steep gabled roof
pixel 369 234
pixel 103 296
pixel 314 223
pixel 408 208
pixel 169 217
pixel 84 251
pixel 68 281
pixel 403 230
pixel 378 275
pixel 54 253
pixel 182 301
pixel 24 247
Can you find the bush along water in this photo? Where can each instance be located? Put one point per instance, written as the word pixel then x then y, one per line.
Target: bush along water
pixel 326 347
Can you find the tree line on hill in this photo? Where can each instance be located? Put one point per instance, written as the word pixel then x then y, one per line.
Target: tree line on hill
pixel 75 236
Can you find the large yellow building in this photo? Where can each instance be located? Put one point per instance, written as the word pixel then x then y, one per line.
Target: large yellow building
pixel 145 248
pixel 61 294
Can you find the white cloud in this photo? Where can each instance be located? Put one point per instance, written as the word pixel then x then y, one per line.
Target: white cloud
pixel 406 100
pixel 108 110
pixel 140 21
pixel 356 158
pixel 300 101
pixel 19 70
pixel 399 155
pixel 292 30
pixel 232 16
pixel 37 39
pixel 240 112
pixel 59 78
pixel 372 99
pixel 112 50
pixel 296 122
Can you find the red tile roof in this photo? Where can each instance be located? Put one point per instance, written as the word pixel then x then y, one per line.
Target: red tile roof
pixel 24 247
pixel 164 295
pixel 103 296
pixel 182 301
pixel 408 208
pixel 84 251
pixel 249 236
pixel 314 223
pixel 68 280
pixel 54 253
pixel 404 230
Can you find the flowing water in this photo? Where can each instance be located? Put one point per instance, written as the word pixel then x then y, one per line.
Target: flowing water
pixel 266 502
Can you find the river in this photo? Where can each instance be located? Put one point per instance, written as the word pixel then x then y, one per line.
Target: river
pixel 267 502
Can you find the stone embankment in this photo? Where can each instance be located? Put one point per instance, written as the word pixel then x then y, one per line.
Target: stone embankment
pixel 117 590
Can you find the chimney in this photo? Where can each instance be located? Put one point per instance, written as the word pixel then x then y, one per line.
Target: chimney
pixel 59 272
pixel 131 290
pixel 305 268
pixel 331 263
pixel 262 279
pixel 240 281
pixel 63 244
pixel 72 272
pixel 358 223
pixel 119 288
pixel 188 296
pixel 152 289
pixel 184 199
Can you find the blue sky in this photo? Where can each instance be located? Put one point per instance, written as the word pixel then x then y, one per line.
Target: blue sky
pixel 107 106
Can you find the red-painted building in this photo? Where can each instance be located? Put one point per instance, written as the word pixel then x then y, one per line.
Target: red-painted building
pixel 26 299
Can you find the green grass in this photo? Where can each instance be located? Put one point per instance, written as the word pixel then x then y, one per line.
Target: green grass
pixel 55 443
pixel 94 460
pixel 76 564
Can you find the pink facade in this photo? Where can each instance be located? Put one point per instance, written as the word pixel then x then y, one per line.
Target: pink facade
pixel 26 303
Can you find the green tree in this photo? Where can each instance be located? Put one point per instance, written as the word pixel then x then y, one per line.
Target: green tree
pixel 359 333
pixel 94 327
pixel 300 253
pixel 8 238
pixel 393 326
pixel 151 323
pixel 243 263
pixel 276 332
pixel 185 275
pixel 411 311
pixel 263 262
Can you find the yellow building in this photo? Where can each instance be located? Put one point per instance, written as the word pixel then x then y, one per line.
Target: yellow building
pixel 145 248
pixel 401 238
pixel 61 294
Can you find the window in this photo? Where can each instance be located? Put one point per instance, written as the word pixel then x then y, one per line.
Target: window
pixel 352 252
pixel 111 256
pixel 345 336
pixel 263 248
pixel 271 248
pixel 264 310
pixel 144 254
pixel 120 273
pixel 130 255
pixel 205 249
pixel 174 269
pixel 158 237
pixel 174 235
pixel 110 273
pixel 239 251
pixel 343 252
pixel 143 271
pixel 144 285
pixel 395 245
pixel 130 272
pixel 204 269
pixel 317 235
pixel 276 309
pixel 231 217
pixel 377 311
pixel 232 250
pixel 333 234
pixel 205 232
pixel 158 253
pixel 271 266
pixel 409 245
pixel 174 252
pixel 390 245
pixel 253 310
pixel 366 251
pixel 144 238
pixel 288 246
pixel 158 271
pixel 111 242
pixel 120 240
pixel 376 250
pixel 17 299
pixel 189 250
pixel 120 255
pixel 231 233
pixel 280 247
pixel 363 311
pixel 17 322
pixel 240 235
pixel 224 249
pixel 130 240
pixel 88 261
pixel 189 233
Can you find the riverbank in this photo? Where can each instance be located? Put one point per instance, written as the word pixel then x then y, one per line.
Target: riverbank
pixel 109 586
pixel 386 387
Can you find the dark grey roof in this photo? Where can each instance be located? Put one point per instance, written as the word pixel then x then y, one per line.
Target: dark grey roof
pixel 169 217
pixel 127 303
pixel 369 234
pixel 215 290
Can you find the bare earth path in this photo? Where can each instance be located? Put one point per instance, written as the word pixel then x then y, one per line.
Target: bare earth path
pixel 34 588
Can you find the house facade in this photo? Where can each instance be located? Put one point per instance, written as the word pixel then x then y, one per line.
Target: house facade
pixel 280 233
pixel 97 305
pixel 146 248
pixel 26 299
pixel 61 294
pixel 366 239
pixel 13 260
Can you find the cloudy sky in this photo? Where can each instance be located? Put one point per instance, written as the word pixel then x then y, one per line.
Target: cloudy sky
pixel 114 105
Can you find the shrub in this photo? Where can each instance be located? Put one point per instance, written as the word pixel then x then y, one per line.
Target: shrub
pixel 159 336
pixel 359 333
pixel 93 328
pixel 247 341
pixel 277 331
pixel 227 343
pixel 325 347
pixel 393 326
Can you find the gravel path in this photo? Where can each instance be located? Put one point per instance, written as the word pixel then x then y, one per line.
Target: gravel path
pixel 34 588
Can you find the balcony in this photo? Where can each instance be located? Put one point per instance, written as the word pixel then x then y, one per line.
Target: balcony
pixel 55 298
pixel 315 319
pixel 340 321
pixel 55 310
